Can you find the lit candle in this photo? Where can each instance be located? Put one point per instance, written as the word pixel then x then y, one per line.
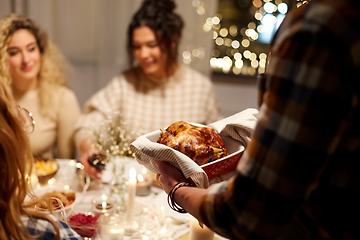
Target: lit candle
pixel 198 233
pixel 131 196
pixel 143 185
pixel 103 205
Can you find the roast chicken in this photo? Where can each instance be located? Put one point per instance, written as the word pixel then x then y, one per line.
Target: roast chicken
pixel 201 144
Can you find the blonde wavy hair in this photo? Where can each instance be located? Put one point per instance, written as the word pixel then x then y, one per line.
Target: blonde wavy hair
pixel 53 63
pixel 16 164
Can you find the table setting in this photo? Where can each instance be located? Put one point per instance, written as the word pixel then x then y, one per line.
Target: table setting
pixel 128 203
pixel 96 216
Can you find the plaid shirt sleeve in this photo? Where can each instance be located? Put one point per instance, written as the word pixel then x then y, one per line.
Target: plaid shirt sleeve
pixel 44 230
pixel 308 77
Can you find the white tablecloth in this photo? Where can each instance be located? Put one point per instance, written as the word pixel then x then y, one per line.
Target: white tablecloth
pixel 70 176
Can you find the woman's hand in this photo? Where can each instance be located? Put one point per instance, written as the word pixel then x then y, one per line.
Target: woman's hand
pixel 169 175
pixel 89 169
pixel 87 150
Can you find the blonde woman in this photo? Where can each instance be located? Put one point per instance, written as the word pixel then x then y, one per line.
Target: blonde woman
pixel 16 220
pixel 34 68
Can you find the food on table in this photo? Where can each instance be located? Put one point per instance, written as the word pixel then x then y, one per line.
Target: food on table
pixel 46 203
pixel 201 144
pixel 46 167
pixel 84 225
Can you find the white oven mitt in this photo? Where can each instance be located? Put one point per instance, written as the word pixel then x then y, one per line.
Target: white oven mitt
pixel 238 126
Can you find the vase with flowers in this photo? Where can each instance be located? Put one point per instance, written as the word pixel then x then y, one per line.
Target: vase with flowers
pixel 112 139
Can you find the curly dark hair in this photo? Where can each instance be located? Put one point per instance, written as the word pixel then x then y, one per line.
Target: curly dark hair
pixel 159 16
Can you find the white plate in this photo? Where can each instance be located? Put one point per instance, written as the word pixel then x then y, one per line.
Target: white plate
pixel 160 202
pixel 41 191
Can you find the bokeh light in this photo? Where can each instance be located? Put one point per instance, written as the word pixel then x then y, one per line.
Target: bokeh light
pixel 258 16
pixel 237 56
pixel 215 34
pixel 252 56
pixel 186 55
pixel 283 8
pixel 245 43
pixel 254 63
pixel 257 3
pixel 238 47
pixel 215 53
pixel 269 7
pixel 246 54
pixel 235 44
pixel 200 10
pixel 239 63
pixel 215 20
pixel 219 41
pixel 233 30
pixel 236 70
pixel 223 32
pixel 227 42
pixel 252 25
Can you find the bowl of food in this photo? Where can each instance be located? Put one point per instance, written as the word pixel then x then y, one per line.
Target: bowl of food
pixel 52 199
pixel 45 168
pixel 214 153
pixel 84 224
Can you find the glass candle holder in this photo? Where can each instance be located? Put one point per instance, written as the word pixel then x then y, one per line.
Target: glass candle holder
pixel 103 204
pixel 111 226
pixel 143 183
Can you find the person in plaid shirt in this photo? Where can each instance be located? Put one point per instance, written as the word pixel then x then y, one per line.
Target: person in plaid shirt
pixel 17 219
pixel 299 176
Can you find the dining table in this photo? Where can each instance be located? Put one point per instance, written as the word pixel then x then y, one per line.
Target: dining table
pixel 151 215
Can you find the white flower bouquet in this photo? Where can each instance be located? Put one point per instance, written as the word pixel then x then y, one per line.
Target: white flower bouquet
pixel 112 138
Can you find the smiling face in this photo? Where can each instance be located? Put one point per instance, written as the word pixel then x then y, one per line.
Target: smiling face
pixel 24 60
pixel 148 53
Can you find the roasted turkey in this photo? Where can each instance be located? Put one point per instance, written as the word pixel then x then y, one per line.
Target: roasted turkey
pixel 201 144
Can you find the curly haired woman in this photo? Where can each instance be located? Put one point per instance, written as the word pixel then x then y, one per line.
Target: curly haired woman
pixel 34 68
pixel 157 91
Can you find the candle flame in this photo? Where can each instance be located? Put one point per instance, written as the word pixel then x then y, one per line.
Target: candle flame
pixel 103 204
pixel 144 171
pixel 132 173
pixel 116 231
pixel 140 178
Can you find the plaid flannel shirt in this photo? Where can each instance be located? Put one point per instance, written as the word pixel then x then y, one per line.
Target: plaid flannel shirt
pixel 299 176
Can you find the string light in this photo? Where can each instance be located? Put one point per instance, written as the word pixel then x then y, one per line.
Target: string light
pixel 267 13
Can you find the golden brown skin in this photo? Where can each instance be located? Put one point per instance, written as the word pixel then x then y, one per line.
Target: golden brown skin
pixel 201 144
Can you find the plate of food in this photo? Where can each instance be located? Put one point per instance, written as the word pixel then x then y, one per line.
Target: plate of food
pixel 46 168
pixel 51 198
pixel 214 153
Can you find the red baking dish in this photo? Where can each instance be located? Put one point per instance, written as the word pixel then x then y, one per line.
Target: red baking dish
pixel 226 164
pixel 221 166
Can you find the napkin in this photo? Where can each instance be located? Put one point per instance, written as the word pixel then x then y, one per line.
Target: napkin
pixel 238 126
